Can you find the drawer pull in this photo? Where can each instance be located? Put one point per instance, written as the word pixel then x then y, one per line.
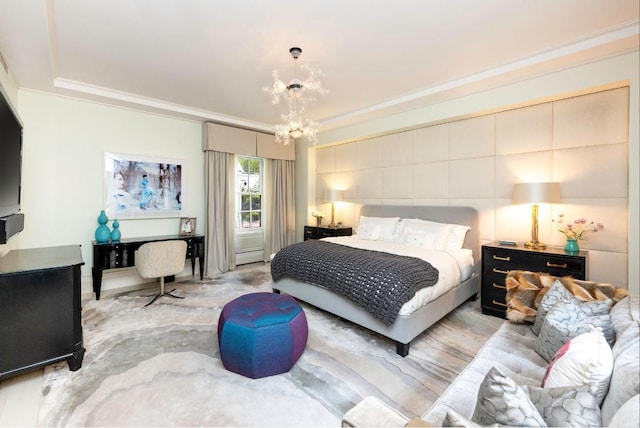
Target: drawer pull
pixel 499 303
pixel 504 259
pixel 500 271
pixel 555 265
pixel 499 286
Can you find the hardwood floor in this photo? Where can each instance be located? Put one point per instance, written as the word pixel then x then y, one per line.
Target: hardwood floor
pixel 20 400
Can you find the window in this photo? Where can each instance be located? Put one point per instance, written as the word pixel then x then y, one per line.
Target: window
pixel 249 193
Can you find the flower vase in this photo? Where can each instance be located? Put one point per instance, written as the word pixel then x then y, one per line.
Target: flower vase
pixel 572 246
pixel 103 234
pixel 115 233
pixel 318 221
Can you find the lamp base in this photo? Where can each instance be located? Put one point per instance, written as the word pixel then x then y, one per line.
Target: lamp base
pixel 535 245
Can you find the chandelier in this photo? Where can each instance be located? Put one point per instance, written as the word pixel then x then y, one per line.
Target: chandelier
pixel 298 93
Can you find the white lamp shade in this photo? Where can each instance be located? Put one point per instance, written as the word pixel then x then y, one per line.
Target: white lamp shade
pixel 333 195
pixel 536 193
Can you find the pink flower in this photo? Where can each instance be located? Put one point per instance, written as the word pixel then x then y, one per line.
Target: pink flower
pixel 578 229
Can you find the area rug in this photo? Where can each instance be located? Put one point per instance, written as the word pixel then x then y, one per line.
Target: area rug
pixel 160 365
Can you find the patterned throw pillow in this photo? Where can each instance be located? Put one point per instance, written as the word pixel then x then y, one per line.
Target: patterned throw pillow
pixel 558 295
pixel 502 401
pixel 566 321
pixel 566 406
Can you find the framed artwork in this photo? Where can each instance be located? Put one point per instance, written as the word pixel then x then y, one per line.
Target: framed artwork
pixel 143 186
pixel 187 226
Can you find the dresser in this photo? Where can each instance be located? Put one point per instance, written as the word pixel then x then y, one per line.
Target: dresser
pixel 498 260
pixel 40 309
pixel 121 254
pixel 319 232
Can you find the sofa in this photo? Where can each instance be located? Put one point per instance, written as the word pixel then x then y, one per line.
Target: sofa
pixel 511 353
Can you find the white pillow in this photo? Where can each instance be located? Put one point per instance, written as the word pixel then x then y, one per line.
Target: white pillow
pixel 368 231
pixel 585 359
pixel 387 226
pixel 446 236
pixel 419 238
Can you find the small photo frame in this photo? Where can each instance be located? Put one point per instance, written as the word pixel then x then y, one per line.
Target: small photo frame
pixel 187 226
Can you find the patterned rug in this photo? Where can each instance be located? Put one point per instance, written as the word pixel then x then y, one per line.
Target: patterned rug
pixel 160 365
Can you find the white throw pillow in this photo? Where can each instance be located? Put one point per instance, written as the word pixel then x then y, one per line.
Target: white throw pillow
pixel 387 226
pixel 419 238
pixel 585 359
pixel 368 231
pixel 445 236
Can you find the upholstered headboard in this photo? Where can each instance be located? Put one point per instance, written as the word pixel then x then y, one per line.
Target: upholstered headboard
pixel 457 215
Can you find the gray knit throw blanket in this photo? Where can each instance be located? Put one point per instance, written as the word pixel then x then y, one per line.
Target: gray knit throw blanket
pixel 376 281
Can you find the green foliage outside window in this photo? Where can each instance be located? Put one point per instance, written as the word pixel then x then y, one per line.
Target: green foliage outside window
pixel 249 191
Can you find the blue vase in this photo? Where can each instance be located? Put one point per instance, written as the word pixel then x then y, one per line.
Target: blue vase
pixel 103 234
pixel 115 233
pixel 571 246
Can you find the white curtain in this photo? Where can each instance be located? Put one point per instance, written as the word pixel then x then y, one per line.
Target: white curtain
pixel 280 219
pixel 219 176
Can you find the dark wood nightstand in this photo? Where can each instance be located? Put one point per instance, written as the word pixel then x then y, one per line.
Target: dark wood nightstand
pixel 498 260
pixel 319 232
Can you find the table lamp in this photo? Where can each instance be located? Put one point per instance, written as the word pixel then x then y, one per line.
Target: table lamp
pixel 333 196
pixel 535 193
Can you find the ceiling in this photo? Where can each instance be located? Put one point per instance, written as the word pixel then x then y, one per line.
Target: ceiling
pixel 209 59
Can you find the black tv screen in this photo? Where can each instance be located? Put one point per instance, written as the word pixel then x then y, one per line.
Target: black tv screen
pixel 10 158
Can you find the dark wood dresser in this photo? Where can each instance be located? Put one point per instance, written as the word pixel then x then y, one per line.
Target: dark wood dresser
pixel 498 260
pixel 40 309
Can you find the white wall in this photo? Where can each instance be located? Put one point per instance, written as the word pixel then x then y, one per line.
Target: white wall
pixel 574 81
pixel 63 179
pixel 580 142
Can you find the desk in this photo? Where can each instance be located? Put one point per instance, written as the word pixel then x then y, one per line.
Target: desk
pixel 40 309
pixel 116 255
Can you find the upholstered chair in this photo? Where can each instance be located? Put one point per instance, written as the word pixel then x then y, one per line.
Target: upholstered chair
pixel 159 259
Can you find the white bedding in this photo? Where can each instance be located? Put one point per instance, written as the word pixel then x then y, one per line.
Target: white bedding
pixel 454 266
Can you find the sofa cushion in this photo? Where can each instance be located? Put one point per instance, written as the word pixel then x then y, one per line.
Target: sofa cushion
pixel 628 415
pixel 503 401
pixel 584 360
pixel 625 381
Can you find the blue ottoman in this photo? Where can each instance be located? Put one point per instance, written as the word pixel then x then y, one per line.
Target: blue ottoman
pixel 261 334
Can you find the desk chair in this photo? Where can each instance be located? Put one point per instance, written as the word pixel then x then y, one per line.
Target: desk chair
pixel 159 259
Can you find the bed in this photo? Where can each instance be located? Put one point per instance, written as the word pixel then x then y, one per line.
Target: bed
pixel 416 315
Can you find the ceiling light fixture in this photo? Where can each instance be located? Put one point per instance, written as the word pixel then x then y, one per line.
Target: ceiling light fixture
pixel 298 94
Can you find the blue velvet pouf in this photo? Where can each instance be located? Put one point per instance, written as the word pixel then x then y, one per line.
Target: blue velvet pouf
pixel 261 334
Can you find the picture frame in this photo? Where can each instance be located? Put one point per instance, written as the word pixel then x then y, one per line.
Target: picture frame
pixel 139 187
pixel 187 226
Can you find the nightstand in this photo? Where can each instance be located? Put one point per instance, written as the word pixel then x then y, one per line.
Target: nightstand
pixel 319 232
pixel 498 260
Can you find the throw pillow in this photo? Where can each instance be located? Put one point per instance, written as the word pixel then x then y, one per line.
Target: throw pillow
pixel 585 359
pixel 502 401
pixel 567 406
pixel 566 321
pixel 522 289
pixel 559 295
pixel 417 238
pixel 387 226
pixel 368 231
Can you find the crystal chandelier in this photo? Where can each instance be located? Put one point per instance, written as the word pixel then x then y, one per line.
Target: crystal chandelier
pixel 298 93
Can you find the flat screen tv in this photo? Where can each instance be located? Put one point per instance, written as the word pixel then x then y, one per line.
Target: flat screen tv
pixel 10 158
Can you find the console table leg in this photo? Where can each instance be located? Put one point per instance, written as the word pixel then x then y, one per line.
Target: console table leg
pixel 96 273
